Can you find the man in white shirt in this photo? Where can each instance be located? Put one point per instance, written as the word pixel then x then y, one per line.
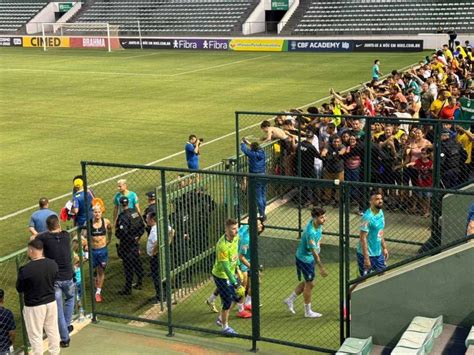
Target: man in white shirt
pixel 152 247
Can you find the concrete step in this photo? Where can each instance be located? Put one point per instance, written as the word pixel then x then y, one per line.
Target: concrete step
pixel 451 341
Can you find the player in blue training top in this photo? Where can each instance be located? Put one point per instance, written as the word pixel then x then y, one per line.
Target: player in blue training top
pixel 244 259
pixel 306 256
pixel 372 252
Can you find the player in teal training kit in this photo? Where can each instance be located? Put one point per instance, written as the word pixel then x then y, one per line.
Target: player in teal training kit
pixel 244 258
pixel 372 252
pixel 306 256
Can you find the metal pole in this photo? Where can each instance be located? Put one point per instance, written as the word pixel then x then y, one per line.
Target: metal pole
pixel 347 206
pixel 342 296
pixel 254 266
pixel 89 242
pixel 44 38
pixel 237 157
pixel 140 34
pixel 164 208
pixel 367 160
pixel 437 199
pixel 20 297
pixel 299 185
pixel 108 38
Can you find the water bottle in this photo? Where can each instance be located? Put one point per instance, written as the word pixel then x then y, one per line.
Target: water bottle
pixel 81 315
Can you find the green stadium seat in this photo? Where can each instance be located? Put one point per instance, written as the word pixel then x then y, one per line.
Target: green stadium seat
pixel 355 346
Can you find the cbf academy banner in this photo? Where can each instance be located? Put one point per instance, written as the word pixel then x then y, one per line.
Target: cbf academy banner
pixel 355 46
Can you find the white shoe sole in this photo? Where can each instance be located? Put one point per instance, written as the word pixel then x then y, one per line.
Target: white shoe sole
pixel 313 315
pixel 290 306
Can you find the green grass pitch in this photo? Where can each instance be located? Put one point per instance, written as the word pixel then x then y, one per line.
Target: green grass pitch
pixel 63 106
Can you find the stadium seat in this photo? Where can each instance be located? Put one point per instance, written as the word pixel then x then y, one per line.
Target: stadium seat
pixel 420 336
pixel 355 346
pixel 470 338
pixel 208 16
pixel 14 15
pixel 374 16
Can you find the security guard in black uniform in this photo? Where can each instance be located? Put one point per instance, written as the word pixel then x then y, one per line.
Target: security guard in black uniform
pixel 151 208
pixel 128 229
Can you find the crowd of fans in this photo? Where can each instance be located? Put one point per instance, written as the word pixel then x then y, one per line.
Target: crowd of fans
pixel 401 143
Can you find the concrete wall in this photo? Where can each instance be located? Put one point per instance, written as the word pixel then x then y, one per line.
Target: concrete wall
pixel 443 284
pixel 454 215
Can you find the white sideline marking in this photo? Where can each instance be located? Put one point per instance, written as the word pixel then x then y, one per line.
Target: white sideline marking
pixel 13 214
pixel 129 73
pixel 138 56
pixel 221 65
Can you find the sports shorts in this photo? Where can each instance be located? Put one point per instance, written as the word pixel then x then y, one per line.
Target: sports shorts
pixel 226 292
pixel 100 257
pixel 377 263
pixel 305 269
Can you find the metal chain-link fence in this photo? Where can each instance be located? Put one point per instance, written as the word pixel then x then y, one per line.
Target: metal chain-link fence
pixel 174 285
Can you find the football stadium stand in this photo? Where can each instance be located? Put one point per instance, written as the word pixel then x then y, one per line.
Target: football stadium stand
pixel 341 17
pixel 201 17
pixel 14 15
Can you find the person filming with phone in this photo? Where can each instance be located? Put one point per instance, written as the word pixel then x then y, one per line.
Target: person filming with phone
pixel 191 149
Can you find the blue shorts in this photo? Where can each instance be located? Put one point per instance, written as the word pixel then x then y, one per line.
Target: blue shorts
pixel 193 166
pixel 377 263
pixel 244 268
pixel 100 257
pixel 307 269
pixel 226 291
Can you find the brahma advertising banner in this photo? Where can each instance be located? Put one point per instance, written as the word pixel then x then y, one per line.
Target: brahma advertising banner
pixel 320 46
pixel 392 45
pixel 94 42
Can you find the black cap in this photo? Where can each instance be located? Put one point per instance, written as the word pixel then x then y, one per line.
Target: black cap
pixel 2 294
pixel 123 200
pixel 151 195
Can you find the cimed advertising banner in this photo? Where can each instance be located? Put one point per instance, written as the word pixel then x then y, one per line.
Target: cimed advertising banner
pixel 62 42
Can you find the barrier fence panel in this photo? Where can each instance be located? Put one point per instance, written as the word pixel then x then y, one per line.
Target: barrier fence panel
pixel 277 272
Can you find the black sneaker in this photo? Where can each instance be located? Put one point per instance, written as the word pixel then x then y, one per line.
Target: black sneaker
pixel 64 344
pixel 125 292
pixel 70 328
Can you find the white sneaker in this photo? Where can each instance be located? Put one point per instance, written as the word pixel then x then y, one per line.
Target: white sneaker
pixel 312 314
pixel 290 305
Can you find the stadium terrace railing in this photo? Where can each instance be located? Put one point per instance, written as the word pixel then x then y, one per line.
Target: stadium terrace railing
pixel 195 205
pixel 9 266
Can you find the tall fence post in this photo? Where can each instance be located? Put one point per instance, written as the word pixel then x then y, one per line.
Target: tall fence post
pixel 437 199
pixel 347 261
pixel 89 243
pixel 164 208
pixel 20 298
pixel 342 295
pixel 367 161
pixel 237 158
pixel 254 266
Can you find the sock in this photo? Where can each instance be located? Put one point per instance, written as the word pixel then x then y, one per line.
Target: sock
pixel 224 326
pixel 248 300
pixel 212 298
pixel 292 297
pixel 307 308
pixel 241 307
pixel 98 291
